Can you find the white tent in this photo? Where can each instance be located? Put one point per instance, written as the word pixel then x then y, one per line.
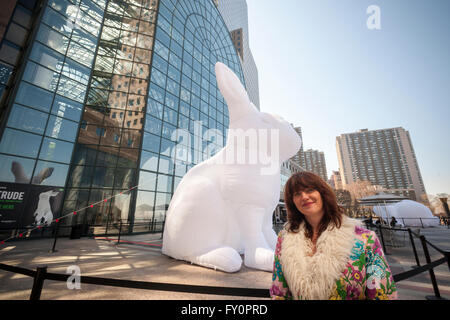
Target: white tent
pixel 385 199
pixel 408 213
pixel 386 212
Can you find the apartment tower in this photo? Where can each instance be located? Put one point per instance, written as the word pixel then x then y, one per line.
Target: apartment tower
pixel 384 157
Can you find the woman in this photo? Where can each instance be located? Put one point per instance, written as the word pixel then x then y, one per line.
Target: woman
pixel 323 254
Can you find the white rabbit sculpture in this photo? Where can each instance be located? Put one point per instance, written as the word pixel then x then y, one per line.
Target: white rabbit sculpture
pixel 223 207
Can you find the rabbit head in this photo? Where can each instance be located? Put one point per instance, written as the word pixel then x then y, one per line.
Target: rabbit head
pixel 277 135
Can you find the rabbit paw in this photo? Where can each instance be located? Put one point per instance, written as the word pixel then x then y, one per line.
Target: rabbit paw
pixel 259 258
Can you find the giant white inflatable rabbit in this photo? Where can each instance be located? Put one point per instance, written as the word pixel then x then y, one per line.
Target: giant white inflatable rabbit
pixel 223 207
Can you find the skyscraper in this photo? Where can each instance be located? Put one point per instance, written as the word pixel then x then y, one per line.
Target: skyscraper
pixel 335 180
pixel 235 15
pixel 93 107
pixel 315 162
pixel 384 157
pixel 299 157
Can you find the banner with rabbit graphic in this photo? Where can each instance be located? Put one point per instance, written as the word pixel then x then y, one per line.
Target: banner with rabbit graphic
pixel 24 205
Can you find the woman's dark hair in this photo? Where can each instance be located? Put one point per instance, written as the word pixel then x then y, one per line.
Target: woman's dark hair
pixel 307 180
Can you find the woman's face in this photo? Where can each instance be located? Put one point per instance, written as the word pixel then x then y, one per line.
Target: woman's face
pixel 309 202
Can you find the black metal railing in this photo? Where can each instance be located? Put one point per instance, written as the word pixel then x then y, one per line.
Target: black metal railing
pixel 417 269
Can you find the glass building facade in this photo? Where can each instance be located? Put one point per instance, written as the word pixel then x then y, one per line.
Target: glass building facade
pixel 94 108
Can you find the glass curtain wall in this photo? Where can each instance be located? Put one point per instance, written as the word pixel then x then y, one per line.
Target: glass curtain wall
pixel 104 86
pixel 107 149
pixel 190 38
pixel 40 132
pixel 16 22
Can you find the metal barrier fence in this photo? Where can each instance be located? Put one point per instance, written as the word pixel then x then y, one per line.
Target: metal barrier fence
pixel 41 274
pixel 418 268
pixel 419 221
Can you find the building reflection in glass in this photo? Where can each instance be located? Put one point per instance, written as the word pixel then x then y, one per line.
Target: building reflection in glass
pixel 107 148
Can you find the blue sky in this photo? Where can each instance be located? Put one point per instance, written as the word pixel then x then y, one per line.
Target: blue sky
pixel 321 68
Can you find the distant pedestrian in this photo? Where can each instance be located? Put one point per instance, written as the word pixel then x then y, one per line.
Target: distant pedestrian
pixel 393 222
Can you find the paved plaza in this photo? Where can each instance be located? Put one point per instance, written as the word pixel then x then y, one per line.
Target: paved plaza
pixel 142 261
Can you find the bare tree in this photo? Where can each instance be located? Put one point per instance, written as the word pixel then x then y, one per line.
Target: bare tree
pixel 436 205
pixel 362 188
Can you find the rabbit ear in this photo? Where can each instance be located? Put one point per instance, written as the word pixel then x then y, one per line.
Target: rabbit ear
pixel 19 173
pixel 233 91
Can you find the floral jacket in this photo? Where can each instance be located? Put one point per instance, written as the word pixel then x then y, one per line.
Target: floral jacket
pixel 349 264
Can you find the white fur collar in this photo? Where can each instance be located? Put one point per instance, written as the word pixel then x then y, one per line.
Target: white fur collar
pixel 314 277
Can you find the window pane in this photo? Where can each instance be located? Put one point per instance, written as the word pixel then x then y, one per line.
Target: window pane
pixel 15 169
pixel 47 57
pixel 131 138
pixel 88 23
pixel 61 128
pixel 20 143
pixel 80 176
pixel 124 178
pixel 67 108
pixel 161 205
pixel 33 96
pixel 156 93
pixel 56 150
pixel 107 156
pixel 162 50
pixel 62 6
pixel 79 53
pixel 144 41
pixel 167 147
pixel 5 73
pixel 85 154
pixel 166 165
pixel 50 174
pixel 52 39
pixel 172 102
pixel 128 158
pixel 174 73
pixel 104 64
pixel 144 205
pixel 22 17
pixel 168 130
pixel 84 38
pixel 155 108
pixel 151 142
pixel 89 7
pixel 159 63
pixel 159 78
pixel 9 54
pixel 41 76
pixel 103 177
pixel 27 119
pixel 164 183
pixel 153 125
pixel 170 116
pixel 16 34
pixel 71 89
pixel 76 71
pixel 180 169
pixel 57 22
pixel 147 180
pixel 149 161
